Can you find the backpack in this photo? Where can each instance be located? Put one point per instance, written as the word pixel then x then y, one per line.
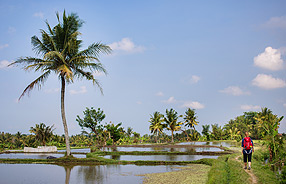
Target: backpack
pixel 247 143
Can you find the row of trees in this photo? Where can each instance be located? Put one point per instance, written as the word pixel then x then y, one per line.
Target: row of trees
pixel 260 125
pixel 159 122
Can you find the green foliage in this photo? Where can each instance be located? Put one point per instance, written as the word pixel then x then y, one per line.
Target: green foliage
pixel 190 118
pixel 91 120
pixel 43 133
pixel 115 132
pixel 109 142
pixel 217 132
pixel 206 131
pixel 171 120
pixel 156 124
pixel 283 175
pixel 269 123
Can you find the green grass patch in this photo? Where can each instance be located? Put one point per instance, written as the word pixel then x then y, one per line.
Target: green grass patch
pixel 262 170
pixel 226 170
pixel 192 174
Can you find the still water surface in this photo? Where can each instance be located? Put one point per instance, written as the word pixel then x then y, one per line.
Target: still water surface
pixel 35 155
pixel 195 149
pixel 159 157
pixel 44 173
pixel 50 174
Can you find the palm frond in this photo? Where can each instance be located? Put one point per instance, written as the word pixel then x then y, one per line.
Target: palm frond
pixel 80 74
pixel 95 49
pixel 38 46
pixel 38 82
pixel 27 61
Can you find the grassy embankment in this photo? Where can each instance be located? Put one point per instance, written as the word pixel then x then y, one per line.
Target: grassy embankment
pixel 229 168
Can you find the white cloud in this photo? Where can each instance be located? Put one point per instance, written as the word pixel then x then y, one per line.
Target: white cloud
pixel 4 64
pixel 195 79
pixel 39 14
pixel 126 45
pixel 250 107
pixel 81 91
pixel 98 74
pixel 268 82
pixel 160 93
pixel 193 105
pixel 4 46
pixel 171 100
pixel 235 91
pixel 54 90
pixel 276 22
pixel 270 59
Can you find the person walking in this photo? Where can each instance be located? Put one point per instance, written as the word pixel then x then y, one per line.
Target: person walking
pixel 247 149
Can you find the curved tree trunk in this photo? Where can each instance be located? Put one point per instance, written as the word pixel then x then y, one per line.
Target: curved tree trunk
pixel 64 116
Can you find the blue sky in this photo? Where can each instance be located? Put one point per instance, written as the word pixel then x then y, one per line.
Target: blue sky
pixel 221 58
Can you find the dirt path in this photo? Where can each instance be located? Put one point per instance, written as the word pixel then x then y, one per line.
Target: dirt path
pixel 253 178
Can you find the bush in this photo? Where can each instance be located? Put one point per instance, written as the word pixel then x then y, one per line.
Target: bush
pixel 109 142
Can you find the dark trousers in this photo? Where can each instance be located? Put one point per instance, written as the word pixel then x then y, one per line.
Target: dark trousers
pixel 247 156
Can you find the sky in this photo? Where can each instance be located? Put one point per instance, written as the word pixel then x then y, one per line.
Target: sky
pixel 221 58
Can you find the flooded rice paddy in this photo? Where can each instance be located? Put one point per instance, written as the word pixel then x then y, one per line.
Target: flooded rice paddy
pixel 159 157
pixel 50 174
pixel 46 173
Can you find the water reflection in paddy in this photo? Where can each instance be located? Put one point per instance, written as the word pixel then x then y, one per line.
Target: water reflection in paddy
pixel 41 173
pixel 194 149
pixel 81 150
pixel 159 157
pixel 35 155
pixel 212 143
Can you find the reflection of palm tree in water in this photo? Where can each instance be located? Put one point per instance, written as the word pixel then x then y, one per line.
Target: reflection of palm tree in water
pixel 68 169
pixel 91 174
pixel 190 150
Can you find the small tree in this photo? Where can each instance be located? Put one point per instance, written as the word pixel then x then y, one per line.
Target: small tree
pixel 43 133
pixel 115 132
pixel 92 119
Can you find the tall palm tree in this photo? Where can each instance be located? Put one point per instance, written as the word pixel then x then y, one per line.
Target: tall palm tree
pixel 190 118
pixel 172 123
pixel 43 133
pixel 156 126
pixel 60 50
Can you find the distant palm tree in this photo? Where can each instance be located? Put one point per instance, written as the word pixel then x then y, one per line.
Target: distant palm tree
pixel 60 48
pixel 172 123
pixel 43 133
pixel 156 127
pixel 206 131
pixel 190 118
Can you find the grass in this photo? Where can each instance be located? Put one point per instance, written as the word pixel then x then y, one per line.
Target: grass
pixel 262 170
pixel 192 174
pixel 226 170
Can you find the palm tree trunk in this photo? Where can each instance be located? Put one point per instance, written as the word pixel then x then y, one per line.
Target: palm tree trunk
pixel 172 136
pixel 64 116
pixel 188 138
